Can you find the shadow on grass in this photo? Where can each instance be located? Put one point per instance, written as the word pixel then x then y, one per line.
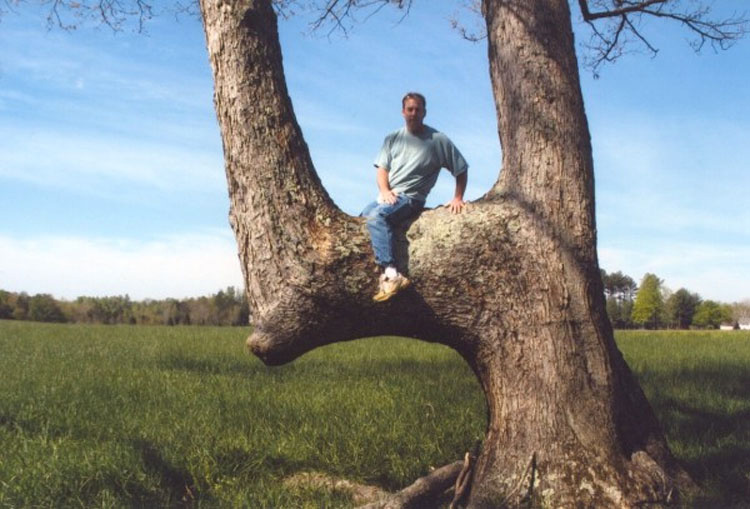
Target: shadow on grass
pixel 205 365
pixel 32 427
pixel 178 485
pixel 705 413
pixel 328 368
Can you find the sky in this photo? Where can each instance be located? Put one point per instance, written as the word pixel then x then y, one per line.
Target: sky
pixel 111 165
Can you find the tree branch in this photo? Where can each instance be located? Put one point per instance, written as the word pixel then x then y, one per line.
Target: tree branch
pixel 113 13
pixel 479 32
pixel 635 7
pixel 337 12
pixel 607 45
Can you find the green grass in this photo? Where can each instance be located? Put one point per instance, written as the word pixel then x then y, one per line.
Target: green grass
pixel 124 416
pixel 699 386
pixel 96 416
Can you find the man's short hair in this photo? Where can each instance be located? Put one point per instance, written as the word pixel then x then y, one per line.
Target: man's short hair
pixel 416 96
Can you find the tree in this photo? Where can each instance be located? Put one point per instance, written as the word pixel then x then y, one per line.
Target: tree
pixel 6 309
pixel 568 425
pixel 741 312
pixel 618 285
pixel 648 308
pixel 21 306
pixel 44 308
pixel 711 314
pixel 680 308
pixel 619 290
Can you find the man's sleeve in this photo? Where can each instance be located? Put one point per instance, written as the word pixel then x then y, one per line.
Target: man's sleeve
pixel 383 160
pixel 453 160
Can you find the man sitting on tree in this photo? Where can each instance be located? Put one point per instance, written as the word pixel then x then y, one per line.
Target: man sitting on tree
pixel 407 168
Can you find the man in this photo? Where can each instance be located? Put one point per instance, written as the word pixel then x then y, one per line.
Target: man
pixel 407 168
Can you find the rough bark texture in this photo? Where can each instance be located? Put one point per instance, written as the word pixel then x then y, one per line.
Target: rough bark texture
pixel 568 425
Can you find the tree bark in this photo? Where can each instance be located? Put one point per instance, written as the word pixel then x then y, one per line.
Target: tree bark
pixel 512 284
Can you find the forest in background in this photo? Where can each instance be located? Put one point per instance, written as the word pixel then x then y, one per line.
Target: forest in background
pixel 226 307
pixel 648 305
pixel 653 305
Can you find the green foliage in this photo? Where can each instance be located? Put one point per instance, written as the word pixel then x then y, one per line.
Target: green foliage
pixel 711 314
pixel 619 290
pixel 648 308
pixel 44 308
pixel 681 307
pixel 21 306
pixel 619 312
pixel 6 307
pixel 227 307
pixel 618 285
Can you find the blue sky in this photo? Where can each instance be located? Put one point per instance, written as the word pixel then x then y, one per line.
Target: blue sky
pixel 111 170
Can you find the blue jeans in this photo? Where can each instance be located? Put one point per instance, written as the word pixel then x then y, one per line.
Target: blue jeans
pixel 382 219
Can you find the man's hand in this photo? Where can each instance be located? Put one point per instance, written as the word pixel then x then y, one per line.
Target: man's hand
pixel 388 197
pixel 385 195
pixel 456 205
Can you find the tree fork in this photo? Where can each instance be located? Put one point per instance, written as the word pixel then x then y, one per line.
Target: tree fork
pixel 512 284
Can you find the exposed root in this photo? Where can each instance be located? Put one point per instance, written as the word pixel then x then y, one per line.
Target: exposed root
pixel 425 490
pixel 462 482
pixel 445 483
pixel 360 493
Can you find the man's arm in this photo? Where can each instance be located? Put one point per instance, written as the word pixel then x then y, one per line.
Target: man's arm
pixel 386 195
pixel 457 203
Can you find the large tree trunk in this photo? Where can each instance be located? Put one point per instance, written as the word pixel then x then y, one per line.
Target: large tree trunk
pixel 513 284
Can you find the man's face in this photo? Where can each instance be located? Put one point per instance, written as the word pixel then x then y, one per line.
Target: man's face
pixel 413 113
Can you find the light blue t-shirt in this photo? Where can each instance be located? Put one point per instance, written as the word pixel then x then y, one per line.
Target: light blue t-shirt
pixel 414 161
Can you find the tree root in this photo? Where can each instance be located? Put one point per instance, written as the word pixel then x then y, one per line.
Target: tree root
pixel 462 481
pixel 360 493
pixel 450 482
pixel 426 490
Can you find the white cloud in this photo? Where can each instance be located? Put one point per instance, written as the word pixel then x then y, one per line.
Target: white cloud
pixel 97 161
pixel 188 265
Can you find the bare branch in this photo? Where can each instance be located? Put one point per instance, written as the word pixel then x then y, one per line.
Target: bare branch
pixel 479 32
pixel 608 44
pixel 340 14
pixel 634 7
pixel 637 33
pixel 116 14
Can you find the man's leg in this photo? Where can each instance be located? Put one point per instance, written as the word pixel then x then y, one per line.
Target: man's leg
pixel 382 218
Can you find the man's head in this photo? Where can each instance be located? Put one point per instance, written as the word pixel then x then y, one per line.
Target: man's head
pixel 414 109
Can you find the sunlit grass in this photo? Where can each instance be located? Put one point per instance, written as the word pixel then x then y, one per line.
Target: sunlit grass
pixel 698 383
pixel 157 416
pixel 113 416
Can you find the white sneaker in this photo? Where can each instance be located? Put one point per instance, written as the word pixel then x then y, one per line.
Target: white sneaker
pixel 389 287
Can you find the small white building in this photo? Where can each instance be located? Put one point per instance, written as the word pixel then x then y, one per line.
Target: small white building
pixel 730 326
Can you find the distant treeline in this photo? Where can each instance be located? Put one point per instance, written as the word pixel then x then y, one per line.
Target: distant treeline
pixel 654 306
pixel 650 305
pixel 227 307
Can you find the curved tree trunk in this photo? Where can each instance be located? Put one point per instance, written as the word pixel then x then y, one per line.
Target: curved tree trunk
pixel 568 425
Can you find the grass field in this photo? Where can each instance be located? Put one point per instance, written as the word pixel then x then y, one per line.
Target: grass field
pixel 123 416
